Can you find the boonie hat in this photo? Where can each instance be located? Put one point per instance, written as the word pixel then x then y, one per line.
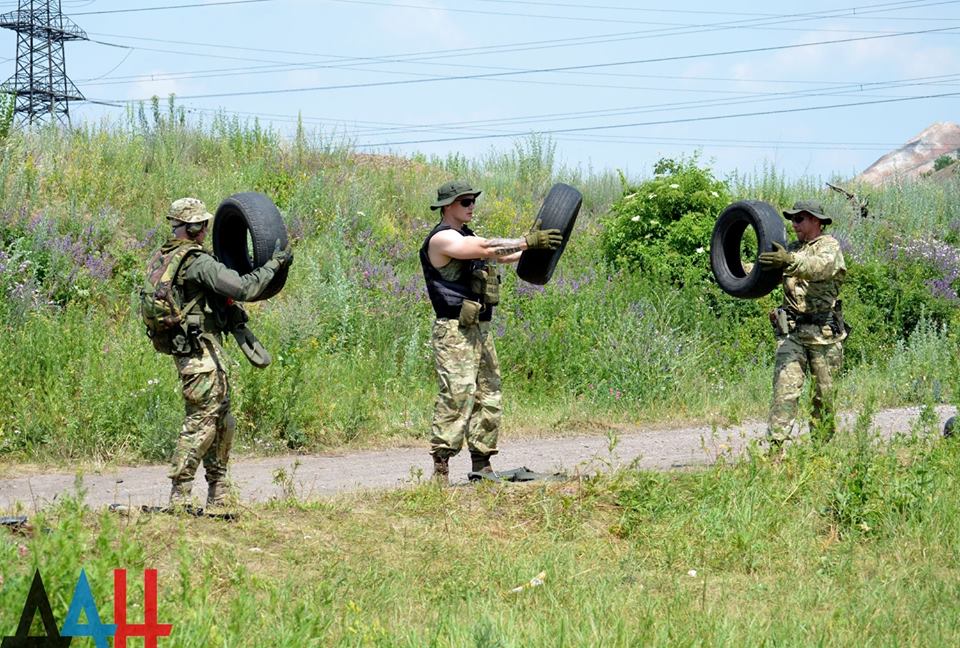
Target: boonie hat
pixel 189 210
pixel 812 207
pixel 449 192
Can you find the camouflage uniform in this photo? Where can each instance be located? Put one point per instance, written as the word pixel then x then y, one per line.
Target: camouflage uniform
pixel 814 337
pixel 468 372
pixel 468 403
pixel 208 426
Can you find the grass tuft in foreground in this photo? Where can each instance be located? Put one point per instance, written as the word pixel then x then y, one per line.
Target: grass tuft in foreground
pixel 853 544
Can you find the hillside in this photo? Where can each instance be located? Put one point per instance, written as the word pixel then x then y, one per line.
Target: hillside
pixel 916 157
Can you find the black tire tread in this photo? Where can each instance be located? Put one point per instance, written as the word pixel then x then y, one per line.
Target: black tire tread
pixel 725 262
pixel 254 212
pixel 559 211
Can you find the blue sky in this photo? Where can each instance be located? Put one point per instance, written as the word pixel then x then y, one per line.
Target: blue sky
pixel 604 75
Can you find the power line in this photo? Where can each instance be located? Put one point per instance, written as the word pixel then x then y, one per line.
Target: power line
pixel 707 103
pixel 731 143
pixel 182 6
pixel 380 128
pixel 568 68
pixel 754 15
pixel 277 66
pixel 526 46
pixel 619 19
pixel 664 122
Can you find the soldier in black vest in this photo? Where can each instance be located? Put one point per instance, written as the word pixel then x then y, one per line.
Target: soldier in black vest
pixel 464 287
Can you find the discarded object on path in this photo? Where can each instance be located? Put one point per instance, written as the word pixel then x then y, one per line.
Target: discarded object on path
pixel 250 218
pixel 522 474
pixel 19 525
pixel 536 581
pixel 13 521
pixel 736 275
pixel 559 211
pixel 195 511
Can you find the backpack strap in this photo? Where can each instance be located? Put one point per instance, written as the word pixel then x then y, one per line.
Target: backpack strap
pixel 185 254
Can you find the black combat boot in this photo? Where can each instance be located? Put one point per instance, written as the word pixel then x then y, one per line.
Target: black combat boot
pixel 480 462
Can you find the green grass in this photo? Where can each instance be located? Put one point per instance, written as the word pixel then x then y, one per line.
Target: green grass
pixel 597 347
pixel 854 544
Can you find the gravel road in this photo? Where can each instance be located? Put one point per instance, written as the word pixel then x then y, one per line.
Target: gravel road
pixel 323 475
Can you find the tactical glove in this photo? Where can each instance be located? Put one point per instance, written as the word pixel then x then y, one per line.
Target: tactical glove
pixel 779 258
pixel 543 239
pixel 283 257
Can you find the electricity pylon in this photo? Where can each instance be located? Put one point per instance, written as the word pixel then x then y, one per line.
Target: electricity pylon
pixel 40 85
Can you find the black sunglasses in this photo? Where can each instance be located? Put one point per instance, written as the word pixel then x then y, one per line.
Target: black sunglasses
pixel 798 218
pixel 466 202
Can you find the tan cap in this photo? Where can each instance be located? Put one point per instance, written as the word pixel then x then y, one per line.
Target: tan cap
pixel 189 210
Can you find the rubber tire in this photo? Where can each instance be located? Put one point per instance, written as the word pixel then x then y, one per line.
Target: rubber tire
pixel 254 213
pixel 559 211
pixel 725 261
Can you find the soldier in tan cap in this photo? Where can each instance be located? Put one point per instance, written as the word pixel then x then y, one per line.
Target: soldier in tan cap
pixel 464 287
pixel 204 292
pixel 809 325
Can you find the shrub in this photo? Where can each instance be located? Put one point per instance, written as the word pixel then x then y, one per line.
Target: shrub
pixel 663 224
pixel 943 162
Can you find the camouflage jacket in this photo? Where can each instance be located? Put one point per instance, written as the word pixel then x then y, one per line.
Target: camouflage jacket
pixel 811 287
pixel 220 286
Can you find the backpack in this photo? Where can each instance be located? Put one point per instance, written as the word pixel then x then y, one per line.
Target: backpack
pixel 161 307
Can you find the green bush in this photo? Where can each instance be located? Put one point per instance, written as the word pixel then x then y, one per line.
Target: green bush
pixel 663 225
pixel 943 162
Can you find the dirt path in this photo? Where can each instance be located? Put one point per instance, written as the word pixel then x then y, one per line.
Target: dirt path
pixel 321 475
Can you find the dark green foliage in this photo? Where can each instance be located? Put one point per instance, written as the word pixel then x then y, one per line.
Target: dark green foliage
pixel 879 487
pixel 943 162
pixel 663 225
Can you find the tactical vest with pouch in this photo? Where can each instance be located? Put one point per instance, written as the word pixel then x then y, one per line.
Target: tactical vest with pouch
pixel 460 280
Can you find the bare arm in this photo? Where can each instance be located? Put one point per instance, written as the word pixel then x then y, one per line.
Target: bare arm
pixel 509 258
pixel 449 244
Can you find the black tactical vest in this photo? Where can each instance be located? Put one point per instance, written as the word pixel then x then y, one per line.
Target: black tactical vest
pixel 447 295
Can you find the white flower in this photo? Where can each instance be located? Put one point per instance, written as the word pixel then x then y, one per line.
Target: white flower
pixel 714 194
pixel 674 186
pixel 692 573
pixel 636 219
pixel 700 250
pixel 153 381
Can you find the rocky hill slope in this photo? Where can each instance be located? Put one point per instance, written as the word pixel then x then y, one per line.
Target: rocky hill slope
pixel 916 157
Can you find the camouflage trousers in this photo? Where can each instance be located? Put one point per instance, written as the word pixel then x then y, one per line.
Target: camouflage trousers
pixel 208 425
pixel 468 374
pixel 793 361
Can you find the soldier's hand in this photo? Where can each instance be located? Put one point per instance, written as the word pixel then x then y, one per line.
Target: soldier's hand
pixel 543 239
pixel 779 258
pixel 284 257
